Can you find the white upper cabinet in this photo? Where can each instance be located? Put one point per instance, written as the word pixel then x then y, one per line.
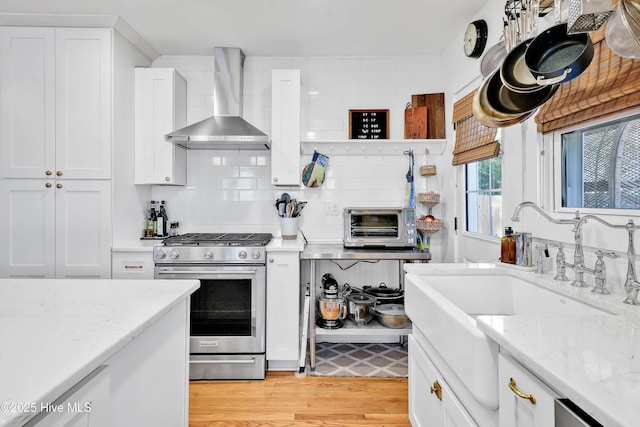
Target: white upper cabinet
pixel 55 108
pixel 285 127
pixel 161 108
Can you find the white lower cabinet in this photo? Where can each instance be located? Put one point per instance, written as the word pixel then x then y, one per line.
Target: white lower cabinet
pixel 283 309
pixel 132 265
pixel 55 228
pixel 524 400
pixel 86 404
pixel 431 401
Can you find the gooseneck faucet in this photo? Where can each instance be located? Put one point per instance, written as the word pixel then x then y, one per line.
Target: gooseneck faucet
pixel 520 206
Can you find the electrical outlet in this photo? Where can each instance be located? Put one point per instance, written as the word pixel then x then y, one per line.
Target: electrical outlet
pixel 331 208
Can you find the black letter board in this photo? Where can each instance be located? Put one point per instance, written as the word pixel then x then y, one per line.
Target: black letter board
pixel 369 124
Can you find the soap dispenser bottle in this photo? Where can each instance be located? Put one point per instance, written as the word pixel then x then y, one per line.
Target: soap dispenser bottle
pixel 508 250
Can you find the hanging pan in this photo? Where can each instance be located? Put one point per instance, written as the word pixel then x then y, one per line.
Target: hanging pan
pixel 488 106
pixel 555 57
pixel 515 74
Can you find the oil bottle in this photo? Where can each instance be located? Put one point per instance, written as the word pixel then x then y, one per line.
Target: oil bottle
pixel 508 249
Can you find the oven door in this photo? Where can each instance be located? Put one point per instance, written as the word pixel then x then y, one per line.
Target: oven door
pixel 228 310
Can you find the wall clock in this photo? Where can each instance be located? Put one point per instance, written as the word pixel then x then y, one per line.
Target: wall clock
pixel 475 38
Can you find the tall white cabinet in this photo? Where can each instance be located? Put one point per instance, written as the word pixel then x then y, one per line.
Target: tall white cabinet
pixel 55 151
pixel 161 108
pixel 285 127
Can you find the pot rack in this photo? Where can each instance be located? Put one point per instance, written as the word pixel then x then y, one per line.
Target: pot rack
pixel 514 7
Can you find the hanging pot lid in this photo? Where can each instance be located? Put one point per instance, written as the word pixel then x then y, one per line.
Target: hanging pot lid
pixel 493 58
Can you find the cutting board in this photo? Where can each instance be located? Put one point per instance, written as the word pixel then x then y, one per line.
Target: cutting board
pixel 415 123
pixel 435 110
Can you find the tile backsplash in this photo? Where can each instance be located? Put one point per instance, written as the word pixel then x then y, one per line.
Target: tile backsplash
pixel 231 190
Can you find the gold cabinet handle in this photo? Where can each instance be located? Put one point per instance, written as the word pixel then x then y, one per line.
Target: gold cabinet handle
pixel 59 173
pixel 48 185
pixel 58 185
pixel 529 397
pixel 167 178
pixel 48 173
pixel 139 267
pixel 437 390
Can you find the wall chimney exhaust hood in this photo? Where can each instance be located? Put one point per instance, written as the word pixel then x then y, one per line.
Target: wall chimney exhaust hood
pixel 226 130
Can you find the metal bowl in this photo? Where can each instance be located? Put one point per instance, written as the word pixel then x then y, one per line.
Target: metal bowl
pixel 392 315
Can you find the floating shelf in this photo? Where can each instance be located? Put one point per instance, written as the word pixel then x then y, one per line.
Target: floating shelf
pixel 383 147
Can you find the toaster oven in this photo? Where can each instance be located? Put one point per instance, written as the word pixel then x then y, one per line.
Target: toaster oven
pixel 379 227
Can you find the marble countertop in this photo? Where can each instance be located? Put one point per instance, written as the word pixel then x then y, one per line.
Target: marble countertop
pixel 592 360
pixel 55 332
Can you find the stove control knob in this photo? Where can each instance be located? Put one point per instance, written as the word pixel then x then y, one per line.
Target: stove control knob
pixel 161 255
pixel 174 255
pixel 208 255
pixel 242 254
pixel 256 255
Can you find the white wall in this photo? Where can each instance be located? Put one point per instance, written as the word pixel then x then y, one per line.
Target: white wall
pixel 128 199
pixel 231 190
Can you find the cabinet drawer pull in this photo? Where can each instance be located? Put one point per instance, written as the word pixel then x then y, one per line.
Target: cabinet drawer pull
pixel 437 390
pixel 133 266
pixel 48 185
pixel 529 397
pixel 48 173
pixel 58 185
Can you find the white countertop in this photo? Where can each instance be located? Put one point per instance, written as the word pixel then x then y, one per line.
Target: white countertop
pixel 592 360
pixel 55 332
pixel 278 244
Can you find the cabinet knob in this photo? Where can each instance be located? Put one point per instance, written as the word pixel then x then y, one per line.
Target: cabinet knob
pixel 59 173
pixel 275 179
pixel 58 185
pixel 436 389
pixel 530 397
pixel 48 173
pixel 167 178
pixel 270 259
pixel 48 185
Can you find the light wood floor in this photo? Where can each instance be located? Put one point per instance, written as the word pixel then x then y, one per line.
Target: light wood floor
pixel 284 399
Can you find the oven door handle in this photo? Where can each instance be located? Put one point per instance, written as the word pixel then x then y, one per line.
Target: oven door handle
pixel 251 361
pixel 195 272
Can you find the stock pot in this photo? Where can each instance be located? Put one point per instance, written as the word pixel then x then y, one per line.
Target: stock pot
pixel 384 294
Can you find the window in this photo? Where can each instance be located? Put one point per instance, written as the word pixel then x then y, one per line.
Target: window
pixel 599 166
pixel 484 197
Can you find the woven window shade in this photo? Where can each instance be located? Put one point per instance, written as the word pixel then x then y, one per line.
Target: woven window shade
pixel 474 141
pixel 610 85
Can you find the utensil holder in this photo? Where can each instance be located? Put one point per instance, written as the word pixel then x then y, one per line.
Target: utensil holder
pixel 289 228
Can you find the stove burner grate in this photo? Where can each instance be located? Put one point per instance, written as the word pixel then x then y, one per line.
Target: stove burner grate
pixel 219 239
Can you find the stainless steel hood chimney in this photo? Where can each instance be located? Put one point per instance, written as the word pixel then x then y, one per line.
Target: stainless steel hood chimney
pixel 226 129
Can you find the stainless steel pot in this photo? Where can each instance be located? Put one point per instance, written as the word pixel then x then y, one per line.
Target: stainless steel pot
pixel 392 315
pixel 360 308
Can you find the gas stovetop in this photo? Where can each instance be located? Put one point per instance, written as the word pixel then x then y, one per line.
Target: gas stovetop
pixel 213 248
pixel 219 239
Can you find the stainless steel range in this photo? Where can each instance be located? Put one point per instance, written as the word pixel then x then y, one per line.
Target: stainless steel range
pixel 227 339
